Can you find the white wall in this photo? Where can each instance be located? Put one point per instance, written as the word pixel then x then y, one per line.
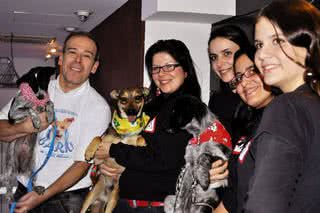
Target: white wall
pixel 22 66
pixel 189 21
pixel 226 7
pixel 214 8
pixel 194 35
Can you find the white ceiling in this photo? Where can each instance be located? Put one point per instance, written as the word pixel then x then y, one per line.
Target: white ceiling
pixel 44 18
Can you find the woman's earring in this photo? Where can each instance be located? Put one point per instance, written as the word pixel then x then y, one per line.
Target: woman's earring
pixel 158 92
pixel 309 73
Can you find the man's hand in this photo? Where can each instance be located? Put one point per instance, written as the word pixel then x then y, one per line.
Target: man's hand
pixel 28 125
pixel 73 174
pixel 44 121
pixel 28 202
pixel 9 132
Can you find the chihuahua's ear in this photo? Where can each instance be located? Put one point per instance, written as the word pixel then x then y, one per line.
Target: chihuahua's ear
pixel 114 94
pixel 146 91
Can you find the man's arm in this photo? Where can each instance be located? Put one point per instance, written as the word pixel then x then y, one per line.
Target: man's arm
pixel 10 132
pixel 73 174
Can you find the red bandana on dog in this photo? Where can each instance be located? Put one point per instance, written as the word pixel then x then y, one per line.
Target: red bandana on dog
pixel 215 133
pixel 29 95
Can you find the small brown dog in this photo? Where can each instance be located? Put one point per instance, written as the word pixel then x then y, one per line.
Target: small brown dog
pixel 128 121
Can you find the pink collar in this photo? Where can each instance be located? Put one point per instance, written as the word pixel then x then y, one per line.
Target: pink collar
pixel 29 95
pixel 215 133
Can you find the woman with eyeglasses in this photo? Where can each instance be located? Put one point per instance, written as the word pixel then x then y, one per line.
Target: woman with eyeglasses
pixel 249 84
pixel 224 41
pixel 152 171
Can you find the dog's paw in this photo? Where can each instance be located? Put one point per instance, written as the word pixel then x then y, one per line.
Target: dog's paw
pixel 218 184
pixel 141 141
pixel 169 202
pixel 50 112
pixel 134 140
pixel 110 138
pixel 202 175
pixel 92 148
pixel 35 119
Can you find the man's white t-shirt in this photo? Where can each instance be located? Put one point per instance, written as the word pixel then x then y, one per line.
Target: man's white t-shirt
pixel 81 114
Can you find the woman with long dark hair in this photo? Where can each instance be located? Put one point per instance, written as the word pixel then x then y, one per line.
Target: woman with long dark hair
pixel 286 166
pixel 250 87
pixel 224 41
pixel 151 172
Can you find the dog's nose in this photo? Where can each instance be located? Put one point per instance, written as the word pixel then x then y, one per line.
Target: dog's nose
pixel 132 112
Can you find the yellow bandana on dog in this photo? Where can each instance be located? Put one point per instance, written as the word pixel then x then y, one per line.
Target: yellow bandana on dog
pixel 124 127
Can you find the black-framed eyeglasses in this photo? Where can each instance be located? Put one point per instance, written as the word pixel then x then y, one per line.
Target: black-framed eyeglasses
pixel 165 68
pixel 250 71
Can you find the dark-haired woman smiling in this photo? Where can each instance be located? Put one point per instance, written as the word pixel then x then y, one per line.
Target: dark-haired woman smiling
pixel 249 85
pixel 287 170
pixel 151 172
pixel 224 41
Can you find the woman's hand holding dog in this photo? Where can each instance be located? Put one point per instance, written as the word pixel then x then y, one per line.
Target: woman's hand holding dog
pixel 219 170
pixel 102 153
pixel 110 171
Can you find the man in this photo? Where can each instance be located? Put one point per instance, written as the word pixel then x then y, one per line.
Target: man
pixel 81 114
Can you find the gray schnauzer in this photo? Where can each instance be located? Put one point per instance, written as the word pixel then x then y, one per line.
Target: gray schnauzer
pixel 31 99
pixel 210 142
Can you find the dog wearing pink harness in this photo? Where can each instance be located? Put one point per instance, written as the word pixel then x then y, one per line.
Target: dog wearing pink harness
pixel 31 99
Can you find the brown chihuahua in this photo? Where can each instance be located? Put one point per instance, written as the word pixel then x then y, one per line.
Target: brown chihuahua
pixel 128 121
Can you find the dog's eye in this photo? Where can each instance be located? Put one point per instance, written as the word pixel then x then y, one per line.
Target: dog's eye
pixel 123 100
pixel 138 98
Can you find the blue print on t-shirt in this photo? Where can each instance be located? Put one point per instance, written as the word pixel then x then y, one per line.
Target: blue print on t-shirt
pixel 63 147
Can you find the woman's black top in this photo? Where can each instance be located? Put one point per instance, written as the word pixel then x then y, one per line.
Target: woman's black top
pixel 286 169
pixel 151 172
pixel 278 170
pixel 240 167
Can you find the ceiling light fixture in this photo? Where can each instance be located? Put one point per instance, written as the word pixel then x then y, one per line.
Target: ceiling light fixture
pixel 70 29
pixel 48 56
pixel 52 41
pixel 83 15
pixel 53 50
